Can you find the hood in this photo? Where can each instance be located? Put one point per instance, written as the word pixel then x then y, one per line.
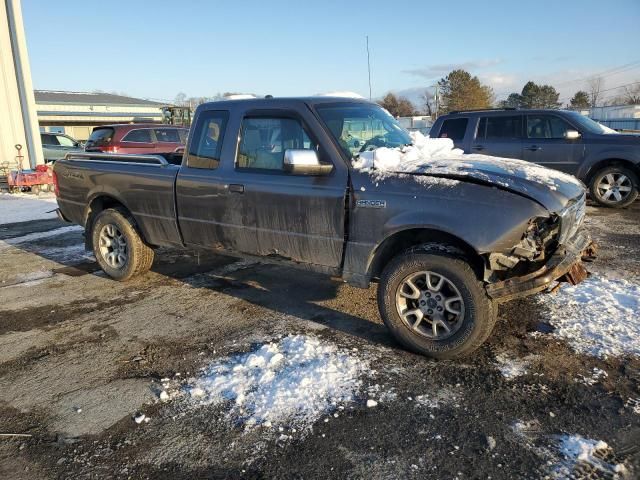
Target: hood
pixel 616 139
pixel 438 158
pixel 550 188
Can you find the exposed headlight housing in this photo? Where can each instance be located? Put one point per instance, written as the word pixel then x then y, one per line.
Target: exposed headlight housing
pixel 571 218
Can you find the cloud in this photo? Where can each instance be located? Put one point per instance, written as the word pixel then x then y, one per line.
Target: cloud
pixel 439 70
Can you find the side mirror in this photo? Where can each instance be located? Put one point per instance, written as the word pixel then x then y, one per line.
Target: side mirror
pixel 572 135
pixel 304 162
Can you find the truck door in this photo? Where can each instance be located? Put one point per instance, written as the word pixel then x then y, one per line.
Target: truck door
pixel 546 143
pixel 298 217
pixel 233 192
pixel 499 135
pixel 212 212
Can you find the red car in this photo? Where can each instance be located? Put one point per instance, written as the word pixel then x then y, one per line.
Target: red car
pixel 140 138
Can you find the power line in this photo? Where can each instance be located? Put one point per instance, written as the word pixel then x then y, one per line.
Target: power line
pixel 605 73
pixel 621 86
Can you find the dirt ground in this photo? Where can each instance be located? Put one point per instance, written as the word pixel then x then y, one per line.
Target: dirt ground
pixel 81 355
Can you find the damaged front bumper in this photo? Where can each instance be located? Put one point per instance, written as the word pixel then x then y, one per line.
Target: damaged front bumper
pixel 563 266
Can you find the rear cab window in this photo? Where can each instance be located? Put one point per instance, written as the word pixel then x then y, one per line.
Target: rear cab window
pixel 100 137
pixel 500 127
pixel 453 128
pixel 206 144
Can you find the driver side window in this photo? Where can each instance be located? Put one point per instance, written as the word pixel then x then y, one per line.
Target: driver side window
pixel 546 126
pixel 263 141
pixel 65 141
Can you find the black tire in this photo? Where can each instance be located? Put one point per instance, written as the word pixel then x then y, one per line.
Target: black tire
pixel 480 313
pixel 598 194
pixel 139 256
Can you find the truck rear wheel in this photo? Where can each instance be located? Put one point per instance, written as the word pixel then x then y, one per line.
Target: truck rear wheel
pixel 118 247
pixel 615 186
pixel 434 304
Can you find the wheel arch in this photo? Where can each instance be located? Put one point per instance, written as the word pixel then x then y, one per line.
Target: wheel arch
pixel 100 202
pixel 404 240
pixel 610 162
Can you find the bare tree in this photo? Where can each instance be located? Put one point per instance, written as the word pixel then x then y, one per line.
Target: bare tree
pixel 632 94
pixel 595 86
pixel 181 99
pixel 429 102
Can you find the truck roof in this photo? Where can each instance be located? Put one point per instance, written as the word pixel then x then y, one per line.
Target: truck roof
pixel 272 101
pixel 509 110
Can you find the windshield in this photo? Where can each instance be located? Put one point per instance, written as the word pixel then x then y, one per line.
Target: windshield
pixel 363 127
pixel 589 125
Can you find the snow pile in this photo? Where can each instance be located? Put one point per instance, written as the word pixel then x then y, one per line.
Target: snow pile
pixel 598 317
pixel 26 207
pixel 439 157
pixel 586 457
pixel 292 381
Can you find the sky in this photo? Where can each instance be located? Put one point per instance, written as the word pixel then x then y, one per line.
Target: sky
pixel 157 49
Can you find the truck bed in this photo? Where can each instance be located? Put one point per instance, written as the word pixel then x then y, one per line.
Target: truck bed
pixel 145 185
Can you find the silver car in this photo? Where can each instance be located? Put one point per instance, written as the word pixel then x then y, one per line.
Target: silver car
pixel 56 145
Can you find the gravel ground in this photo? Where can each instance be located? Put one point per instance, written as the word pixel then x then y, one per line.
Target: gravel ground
pixel 82 358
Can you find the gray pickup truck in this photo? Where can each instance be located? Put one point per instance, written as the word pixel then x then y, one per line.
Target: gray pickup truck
pixel 277 180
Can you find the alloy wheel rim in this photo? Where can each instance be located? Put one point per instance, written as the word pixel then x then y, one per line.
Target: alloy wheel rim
pixel 113 246
pixel 430 305
pixel 614 187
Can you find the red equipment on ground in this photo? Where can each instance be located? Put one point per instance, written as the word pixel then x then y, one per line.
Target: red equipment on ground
pixel 38 180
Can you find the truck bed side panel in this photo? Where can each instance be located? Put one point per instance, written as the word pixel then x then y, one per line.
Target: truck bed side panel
pixel 147 191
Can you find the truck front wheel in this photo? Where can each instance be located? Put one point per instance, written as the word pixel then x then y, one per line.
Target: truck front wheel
pixel 434 304
pixel 118 247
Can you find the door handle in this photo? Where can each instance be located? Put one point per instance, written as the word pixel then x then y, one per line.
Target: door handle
pixel 477 147
pixel 533 148
pixel 236 188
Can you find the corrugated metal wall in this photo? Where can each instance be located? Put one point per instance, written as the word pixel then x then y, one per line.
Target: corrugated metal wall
pixel 17 104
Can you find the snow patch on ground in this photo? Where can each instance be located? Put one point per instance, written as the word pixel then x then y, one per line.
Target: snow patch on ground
pixel 583 457
pixel 596 376
pixel 570 456
pixel 39 235
pixel 445 397
pixel 292 381
pixel 438 156
pixel 17 207
pixel 510 367
pixel 633 404
pixel 598 317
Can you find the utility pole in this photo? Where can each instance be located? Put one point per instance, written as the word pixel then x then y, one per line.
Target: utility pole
pixel 369 66
pixel 435 96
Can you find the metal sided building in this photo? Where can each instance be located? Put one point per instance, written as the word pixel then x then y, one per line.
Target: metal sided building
pixel 77 113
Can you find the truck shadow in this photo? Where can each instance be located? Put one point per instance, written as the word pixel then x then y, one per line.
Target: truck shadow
pixel 293 292
pixel 304 295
